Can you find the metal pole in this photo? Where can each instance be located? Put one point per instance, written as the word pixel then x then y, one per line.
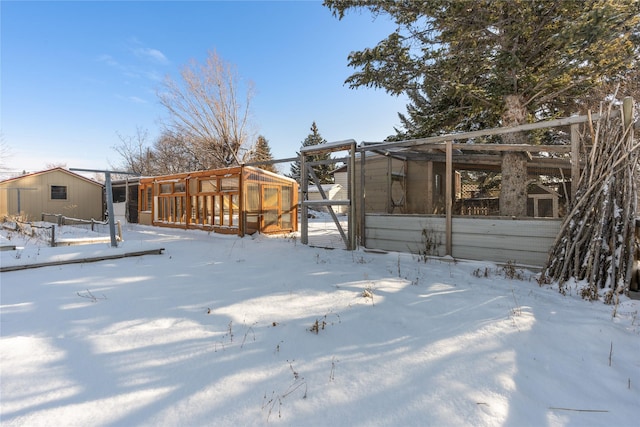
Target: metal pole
pixel 112 224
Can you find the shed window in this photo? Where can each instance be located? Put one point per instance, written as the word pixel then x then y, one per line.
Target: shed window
pixel 58 192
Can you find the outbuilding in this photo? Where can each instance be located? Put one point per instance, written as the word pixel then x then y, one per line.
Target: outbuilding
pixel 238 200
pixel 53 191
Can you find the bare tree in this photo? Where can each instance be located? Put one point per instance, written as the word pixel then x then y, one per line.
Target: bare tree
pixel 172 154
pixel 209 112
pixel 54 165
pixel 136 154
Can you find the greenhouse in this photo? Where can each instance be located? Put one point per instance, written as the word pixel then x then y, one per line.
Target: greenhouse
pixel 239 200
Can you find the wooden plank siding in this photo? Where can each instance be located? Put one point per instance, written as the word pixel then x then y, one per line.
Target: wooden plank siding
pixel 376 183
pixel 523 241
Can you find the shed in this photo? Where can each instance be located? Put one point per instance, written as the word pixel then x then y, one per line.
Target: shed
pixel 54 191
pixel 400 185
pixel 125 198
pixel 543 201
pixel 238 200
pixel 332 192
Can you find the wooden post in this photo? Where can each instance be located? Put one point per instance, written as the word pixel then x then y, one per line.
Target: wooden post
pixel 126 199
pixel 627 113
pixel 363 213
pixel 449 197
pixel 575 160
pixel 304 188
pixel 351 174
pixel 389 181
pixel 627 117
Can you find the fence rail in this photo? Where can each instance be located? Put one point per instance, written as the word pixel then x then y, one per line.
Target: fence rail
pixel 48 234
pixel 64 220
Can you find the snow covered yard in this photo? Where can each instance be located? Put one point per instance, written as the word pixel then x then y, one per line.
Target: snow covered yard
pixel 229 331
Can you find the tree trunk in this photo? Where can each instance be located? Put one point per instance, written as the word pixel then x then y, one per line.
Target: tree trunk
pixel 513 192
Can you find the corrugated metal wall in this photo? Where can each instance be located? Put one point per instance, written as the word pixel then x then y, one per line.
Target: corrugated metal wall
pixel 523 241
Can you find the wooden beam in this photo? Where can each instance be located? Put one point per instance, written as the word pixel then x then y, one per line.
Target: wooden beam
pixel 81 260
pixel 351 168
pixel 487 132
pixel 363 215
pixel 449 198
pixel 575 160
pixel 304 190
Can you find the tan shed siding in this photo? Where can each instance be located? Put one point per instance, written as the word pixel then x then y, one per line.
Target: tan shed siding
pixel 30 200
pixel 144 218
pixel 84 198
pixel 342 178
pixel 498 240
pixel 375 186
pixel 343 193
pixel 418 174
pixel 5 202
pixel 377 182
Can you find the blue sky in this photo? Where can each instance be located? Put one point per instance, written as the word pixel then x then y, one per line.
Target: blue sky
pixel 76 74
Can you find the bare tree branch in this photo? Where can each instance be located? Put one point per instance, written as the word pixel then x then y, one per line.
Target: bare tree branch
pixel 207 112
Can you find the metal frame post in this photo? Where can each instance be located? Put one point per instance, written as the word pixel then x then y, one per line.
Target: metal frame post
pixel 109 197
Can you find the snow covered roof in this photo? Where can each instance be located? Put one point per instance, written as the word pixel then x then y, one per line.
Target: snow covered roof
pixel 325 187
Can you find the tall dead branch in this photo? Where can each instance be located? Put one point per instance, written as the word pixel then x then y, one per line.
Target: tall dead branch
pixel 597 238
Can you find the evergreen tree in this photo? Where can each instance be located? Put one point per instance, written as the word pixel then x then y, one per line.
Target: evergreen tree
pixel 484 63
pixel 262 153
pixel 323 172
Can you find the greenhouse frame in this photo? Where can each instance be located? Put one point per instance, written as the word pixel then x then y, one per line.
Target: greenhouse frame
pixel 238 200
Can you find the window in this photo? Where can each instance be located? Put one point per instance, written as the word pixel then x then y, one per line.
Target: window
pixel 149 198
pixel 230 184
pixel 208 185
pixel 58 192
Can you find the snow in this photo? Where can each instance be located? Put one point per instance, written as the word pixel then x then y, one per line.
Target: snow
pixel 228 331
